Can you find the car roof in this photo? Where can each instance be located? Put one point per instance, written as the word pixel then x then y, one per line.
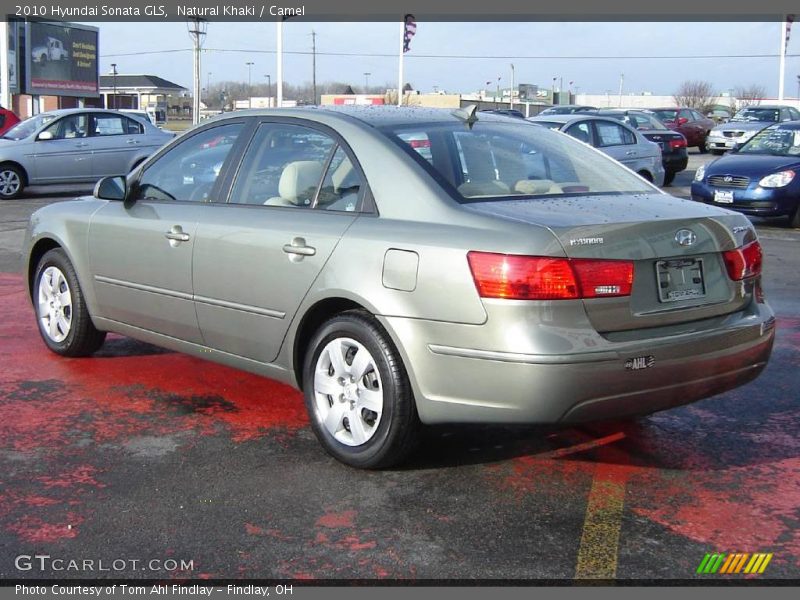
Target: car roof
pixel 68 111
pixel 376 116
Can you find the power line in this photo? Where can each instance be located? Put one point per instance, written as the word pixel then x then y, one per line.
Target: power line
pixel 459 56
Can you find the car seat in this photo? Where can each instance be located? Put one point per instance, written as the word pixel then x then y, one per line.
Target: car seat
pixel 298 184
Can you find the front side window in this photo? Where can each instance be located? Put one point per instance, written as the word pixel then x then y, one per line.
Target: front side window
pixel 188 171
pixel 73 126
pixel 283 166
pixel 493 161
pixel 611 134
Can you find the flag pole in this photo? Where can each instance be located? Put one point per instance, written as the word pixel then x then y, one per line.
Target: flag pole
pixel 279 66
pixel 400 75
pixel 782 69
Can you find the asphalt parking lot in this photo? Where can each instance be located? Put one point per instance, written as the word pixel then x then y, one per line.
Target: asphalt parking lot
pixel 140 455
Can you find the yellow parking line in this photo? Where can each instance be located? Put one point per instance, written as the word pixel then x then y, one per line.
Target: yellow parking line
pixel 597 555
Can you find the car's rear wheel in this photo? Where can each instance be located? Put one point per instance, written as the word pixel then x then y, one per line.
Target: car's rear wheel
pixel 669 176
pixel 357 393
pixel 64 321
pixel 703 146
pixel 646 176
pixel 12 182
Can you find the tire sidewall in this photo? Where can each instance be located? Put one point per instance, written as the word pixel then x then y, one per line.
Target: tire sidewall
pixel 346 326
pixel 21 187
pixel 57 258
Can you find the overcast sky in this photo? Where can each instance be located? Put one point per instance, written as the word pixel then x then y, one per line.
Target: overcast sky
pixel 230 45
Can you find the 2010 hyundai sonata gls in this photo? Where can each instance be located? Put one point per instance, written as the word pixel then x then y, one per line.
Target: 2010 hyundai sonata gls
pixel 409 266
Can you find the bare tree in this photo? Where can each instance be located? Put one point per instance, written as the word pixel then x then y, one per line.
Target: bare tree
pixel 747 96
pixel 695 94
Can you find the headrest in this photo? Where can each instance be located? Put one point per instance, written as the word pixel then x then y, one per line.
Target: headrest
pixel 299 181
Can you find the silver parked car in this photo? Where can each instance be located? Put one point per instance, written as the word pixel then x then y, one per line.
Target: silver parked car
pixel 746 123
pixel 74 146
pixel 409 266
pixel 619 141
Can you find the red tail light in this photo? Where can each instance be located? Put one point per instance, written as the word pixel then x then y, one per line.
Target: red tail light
pixel 744 262
pixel 677 143
pixel 542 278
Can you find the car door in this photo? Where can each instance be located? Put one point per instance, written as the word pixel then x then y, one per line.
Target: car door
pixel 141 250
pixel 65 154
pixel 115 140
pixel 297 191
pixel 618 142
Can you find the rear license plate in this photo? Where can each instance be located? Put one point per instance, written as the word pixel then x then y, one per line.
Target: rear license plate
pixel 723 197
pixel 680 279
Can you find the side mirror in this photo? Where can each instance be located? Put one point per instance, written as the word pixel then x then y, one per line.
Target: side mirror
pixel 45 135
pixel 111 188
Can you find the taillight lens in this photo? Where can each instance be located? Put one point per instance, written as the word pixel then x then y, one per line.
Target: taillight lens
pixel 744 262
pixel 677 143
pixel 517 277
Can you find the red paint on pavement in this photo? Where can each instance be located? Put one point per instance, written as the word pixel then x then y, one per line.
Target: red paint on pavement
pixel 334 520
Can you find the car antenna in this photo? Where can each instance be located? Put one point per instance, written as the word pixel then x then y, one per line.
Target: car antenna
pixel 467 114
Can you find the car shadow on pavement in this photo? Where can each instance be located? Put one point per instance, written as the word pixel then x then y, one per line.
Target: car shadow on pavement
pixel 121 347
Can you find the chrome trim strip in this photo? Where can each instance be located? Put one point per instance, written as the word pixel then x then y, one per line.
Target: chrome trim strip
pixel 533 359
pixel 265 312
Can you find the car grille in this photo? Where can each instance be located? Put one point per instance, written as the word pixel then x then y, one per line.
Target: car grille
pixel 732 134
pixel 729 181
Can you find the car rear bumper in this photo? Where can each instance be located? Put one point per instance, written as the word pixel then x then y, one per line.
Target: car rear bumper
pixel 458 384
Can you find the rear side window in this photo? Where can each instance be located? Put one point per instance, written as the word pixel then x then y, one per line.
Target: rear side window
pixel 115 125
pixel 611 134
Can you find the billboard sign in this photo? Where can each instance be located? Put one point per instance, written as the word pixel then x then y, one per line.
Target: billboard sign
pixel 61 59
pixel 13 54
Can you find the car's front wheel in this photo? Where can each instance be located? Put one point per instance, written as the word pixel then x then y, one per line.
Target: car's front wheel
pixel 12 182
pixel 794 218
pixel 64 321
pixel 703 146
pixel 357 393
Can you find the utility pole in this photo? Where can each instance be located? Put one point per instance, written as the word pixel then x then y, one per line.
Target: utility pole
pixel 621 81
pixel 197 30
pixel 249 84
pixel 269 90
pixel 314 64
pixel 366 82
pixel 511 97
pixel 114 75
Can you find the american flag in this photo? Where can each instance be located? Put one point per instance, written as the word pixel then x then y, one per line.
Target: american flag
pixel 789 21
pixel 411 29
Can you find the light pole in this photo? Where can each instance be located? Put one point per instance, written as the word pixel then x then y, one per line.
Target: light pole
pixel 114 74
pixel 249 84
pixel 554 90
pixel 798 87
pixel 208 86
pixel 511 96
pixel 366 82
pixel 269 90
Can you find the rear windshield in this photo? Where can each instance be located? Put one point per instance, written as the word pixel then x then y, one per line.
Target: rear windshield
pixel 499 160
pixel 666 114
pixel 758 114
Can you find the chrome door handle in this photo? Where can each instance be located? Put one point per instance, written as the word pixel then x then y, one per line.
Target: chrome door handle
pixel 298 247
pixel 176 235
pixel 81 144
pixel 630 153
pixel 133 141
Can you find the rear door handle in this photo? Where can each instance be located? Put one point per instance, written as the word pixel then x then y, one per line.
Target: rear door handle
pixel 298 247
pixel 630 153
pixel 82 144
pixel 133 141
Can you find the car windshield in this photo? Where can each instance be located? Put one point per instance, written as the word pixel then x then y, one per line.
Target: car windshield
pixel 758 114
pixel 495 160
pixel 27 127
pixel 774 141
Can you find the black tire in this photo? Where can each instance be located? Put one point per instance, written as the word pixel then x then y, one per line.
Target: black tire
pixel 12 182
pixel 703 147
pixel 396 431
pixel 794 218
pixel 82 338
pixel 669 176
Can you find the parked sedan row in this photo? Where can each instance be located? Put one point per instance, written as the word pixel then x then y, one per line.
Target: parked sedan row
pixel 74 146
pixel 746 123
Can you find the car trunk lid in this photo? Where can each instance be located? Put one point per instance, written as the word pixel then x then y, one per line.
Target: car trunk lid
pixel 676 247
